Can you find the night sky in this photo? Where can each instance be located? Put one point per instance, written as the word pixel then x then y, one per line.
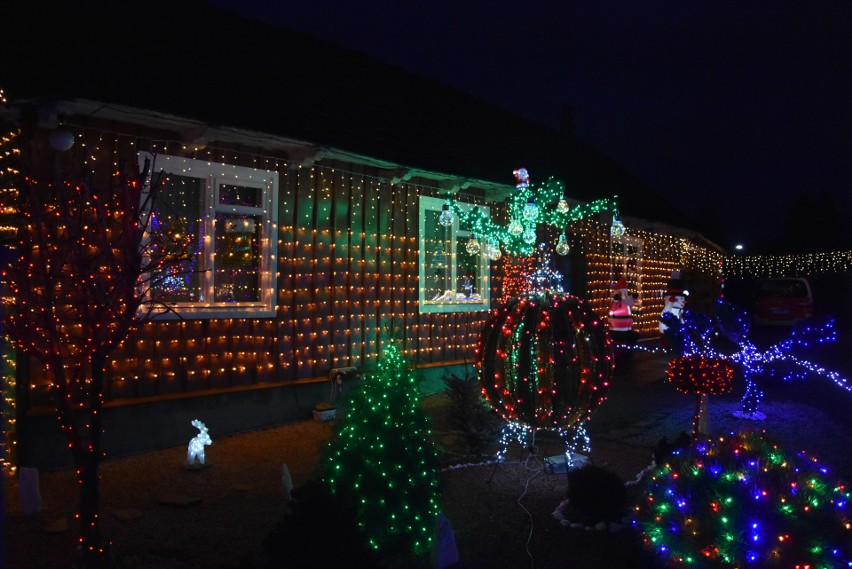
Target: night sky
pixel 732 109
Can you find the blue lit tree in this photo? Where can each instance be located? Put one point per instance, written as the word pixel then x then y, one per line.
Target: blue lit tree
pixel 698 334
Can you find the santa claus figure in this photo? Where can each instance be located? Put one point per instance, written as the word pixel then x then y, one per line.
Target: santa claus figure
pixel 675 297
pixel 620 311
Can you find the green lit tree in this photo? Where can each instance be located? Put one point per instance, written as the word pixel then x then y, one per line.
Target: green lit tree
pixel 382 460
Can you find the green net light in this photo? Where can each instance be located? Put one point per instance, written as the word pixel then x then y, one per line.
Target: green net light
pixel 527 207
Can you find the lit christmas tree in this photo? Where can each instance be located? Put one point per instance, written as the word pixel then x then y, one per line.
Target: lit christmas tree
pixel 382 460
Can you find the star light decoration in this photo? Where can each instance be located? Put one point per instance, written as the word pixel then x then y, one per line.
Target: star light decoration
pixel 529 206
pixel 696 333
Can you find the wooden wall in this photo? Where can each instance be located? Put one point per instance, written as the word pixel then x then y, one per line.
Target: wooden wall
pixel 347 267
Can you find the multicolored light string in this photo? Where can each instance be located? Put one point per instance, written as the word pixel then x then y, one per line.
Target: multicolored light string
pixel 741 500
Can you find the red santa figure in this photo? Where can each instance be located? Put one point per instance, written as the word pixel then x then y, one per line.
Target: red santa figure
pixel 620 315
pixel 675 299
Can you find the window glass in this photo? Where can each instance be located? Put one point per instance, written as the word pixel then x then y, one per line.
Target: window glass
pixel 225 215
pixel 454 272
pixel 176 227
pixel 237 258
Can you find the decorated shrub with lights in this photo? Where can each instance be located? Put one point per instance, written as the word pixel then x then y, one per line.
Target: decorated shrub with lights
pixel 544 360
pixel 742 501
pixel 382 461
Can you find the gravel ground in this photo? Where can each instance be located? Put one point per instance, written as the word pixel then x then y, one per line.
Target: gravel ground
pixel 159 514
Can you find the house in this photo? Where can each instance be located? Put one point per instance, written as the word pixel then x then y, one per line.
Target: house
pixel 311 179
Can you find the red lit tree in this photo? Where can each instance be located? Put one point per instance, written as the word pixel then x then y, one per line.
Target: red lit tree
pixel 85 266
pixel 702 376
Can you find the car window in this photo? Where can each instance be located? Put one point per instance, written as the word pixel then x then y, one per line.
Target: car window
pixel 781 287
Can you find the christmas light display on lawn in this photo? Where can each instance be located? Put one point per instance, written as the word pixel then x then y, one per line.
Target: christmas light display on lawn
pixel 195 450
pixel 696 333
pixel 778 360
pixel 544 361
pixel 742 501
pixel 529 206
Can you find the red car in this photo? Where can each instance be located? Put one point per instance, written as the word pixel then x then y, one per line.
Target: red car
pixel 782 301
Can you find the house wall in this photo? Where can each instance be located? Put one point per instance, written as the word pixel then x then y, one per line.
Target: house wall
pixel 347 246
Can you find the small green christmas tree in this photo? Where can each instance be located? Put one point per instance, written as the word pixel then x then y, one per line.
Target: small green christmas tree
pixel 382 460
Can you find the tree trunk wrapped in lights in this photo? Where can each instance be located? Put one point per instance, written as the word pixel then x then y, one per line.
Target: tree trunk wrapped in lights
pixel 544 360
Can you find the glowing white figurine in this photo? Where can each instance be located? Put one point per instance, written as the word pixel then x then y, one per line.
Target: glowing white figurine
pixel 197 444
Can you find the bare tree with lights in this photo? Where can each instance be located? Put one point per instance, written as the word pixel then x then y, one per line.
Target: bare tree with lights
pixel 86 264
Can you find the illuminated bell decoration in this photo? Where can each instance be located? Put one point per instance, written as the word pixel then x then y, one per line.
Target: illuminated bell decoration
pixel 446 217
pixel 562 206
pixel 530 212
pixel 544 360
pixel 617 230
pixel 515 227
pixel 492 250
pixel 529 235
pixel 472 246
pixel 562 247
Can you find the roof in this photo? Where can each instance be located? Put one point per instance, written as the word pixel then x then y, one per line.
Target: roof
pixel 193 60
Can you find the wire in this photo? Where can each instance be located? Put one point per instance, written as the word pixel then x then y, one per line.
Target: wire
pixel 537 469
pixel 529 514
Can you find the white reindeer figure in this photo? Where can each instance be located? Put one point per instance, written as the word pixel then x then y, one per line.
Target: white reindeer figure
pixel 197 444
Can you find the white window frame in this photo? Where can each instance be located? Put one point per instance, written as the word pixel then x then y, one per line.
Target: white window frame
pixel 428 203
pixel 214 175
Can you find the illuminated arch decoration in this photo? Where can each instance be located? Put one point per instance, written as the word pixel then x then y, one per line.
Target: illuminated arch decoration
pixel 544 361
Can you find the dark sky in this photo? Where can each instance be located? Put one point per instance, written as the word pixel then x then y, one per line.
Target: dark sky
pixel 733 109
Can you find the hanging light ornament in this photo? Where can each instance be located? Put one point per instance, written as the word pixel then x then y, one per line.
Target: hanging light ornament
pixel 472 246
pixel 515 227
pixel 530 212
pixel 562 247
pixel 562 206
pixel 446 217
pixel 494 252
pixel 617 230
pixel 529 236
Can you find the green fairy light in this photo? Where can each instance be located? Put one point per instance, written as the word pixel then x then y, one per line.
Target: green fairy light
pixel 382 458
pixel 531 205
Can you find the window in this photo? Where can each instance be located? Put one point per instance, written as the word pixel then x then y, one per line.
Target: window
pixel 227 216
pixel 451 278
